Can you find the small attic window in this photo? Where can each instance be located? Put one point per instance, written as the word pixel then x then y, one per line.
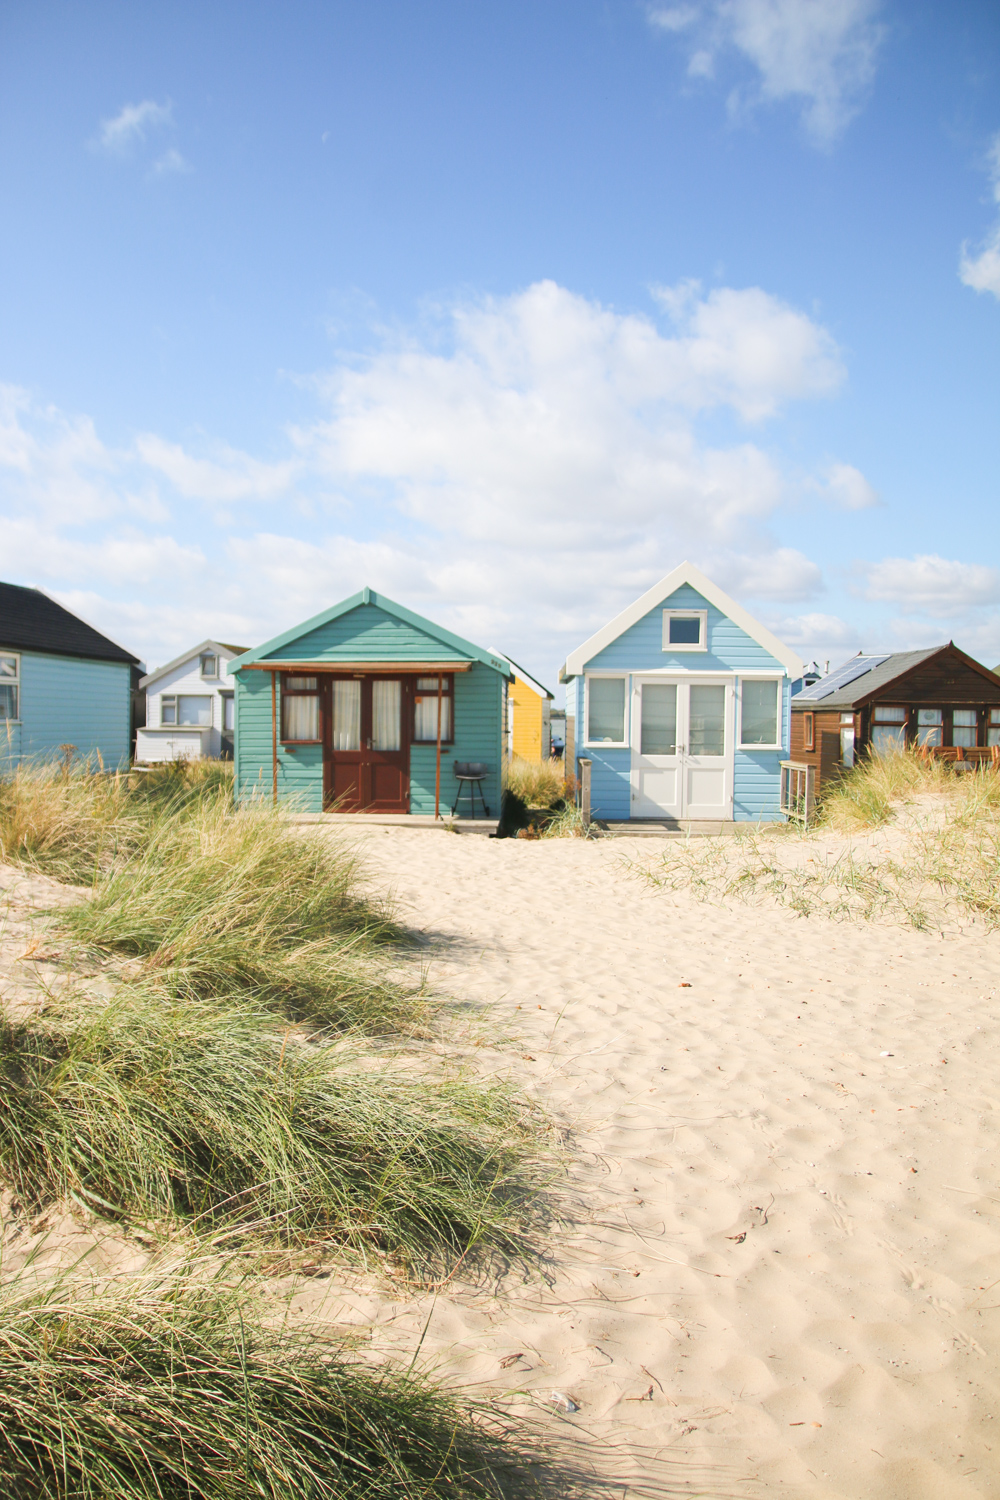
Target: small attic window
pixel 209 664
pixel 685 630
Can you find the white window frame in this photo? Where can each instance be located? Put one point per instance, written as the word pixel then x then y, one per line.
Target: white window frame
pixel 606 744
pixel 701 615
pixel 14 682
pixel 207 656
pixel 175 699
pixel 779 717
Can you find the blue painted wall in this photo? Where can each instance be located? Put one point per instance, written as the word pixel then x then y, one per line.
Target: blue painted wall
pixel 369 633
pixel 67 701
pixel 756 773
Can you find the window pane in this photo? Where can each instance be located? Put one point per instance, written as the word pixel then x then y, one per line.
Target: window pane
pixel 209 666
pixel 300 718
pixel 929 715
pixel 887 738
pixel 607 710
pixel 168 710
pixel 930 734
pixel 658 730
pixel 809 731
pixel 193 710
pixel 684 632
pixel 8 666
pixel 386 700
pixel 847 740
pixel 300 684
pixel 993 736
pixel 228 714
pixel 346 715
pixel 707 729
pixel 963 727
pixel 425 725
pixel 430 684
pixel 884 715
pixel 995 715
pixel 8 700
pixel 759 713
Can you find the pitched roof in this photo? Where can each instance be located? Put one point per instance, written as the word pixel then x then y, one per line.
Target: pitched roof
pixel 31 621
pixel 217 646
pixel 369 596
pixel 685 573
pixel 532 682
pixel 841 691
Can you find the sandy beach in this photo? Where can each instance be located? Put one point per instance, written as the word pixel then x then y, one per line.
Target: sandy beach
pixel 778 1274
pixel 784 1148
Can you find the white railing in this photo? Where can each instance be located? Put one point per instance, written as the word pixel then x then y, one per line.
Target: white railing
pixel 798 790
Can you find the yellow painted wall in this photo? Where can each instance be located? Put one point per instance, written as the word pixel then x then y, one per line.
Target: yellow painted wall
pixel 527 738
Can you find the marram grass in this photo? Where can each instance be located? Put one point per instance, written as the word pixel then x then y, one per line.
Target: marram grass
pixel 176 1388
pixel 194 1111
pixel 233 903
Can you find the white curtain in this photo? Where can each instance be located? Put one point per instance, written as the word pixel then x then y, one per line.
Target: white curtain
pixel 385 714
pixel 347 715
pixel 301 718
pixel 427 717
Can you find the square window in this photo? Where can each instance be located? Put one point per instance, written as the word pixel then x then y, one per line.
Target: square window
pixel 209 665
pixel 168 709
pixel 930 726
pixel 964 727
pixel 606 710
pixel 685 629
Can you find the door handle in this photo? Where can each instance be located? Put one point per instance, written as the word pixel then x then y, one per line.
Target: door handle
pixel 369 743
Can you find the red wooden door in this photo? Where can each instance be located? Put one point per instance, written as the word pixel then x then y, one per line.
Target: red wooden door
pixel 366 744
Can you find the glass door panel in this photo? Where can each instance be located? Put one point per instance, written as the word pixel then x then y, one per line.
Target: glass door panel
pixel 658 732
pixel 707 721
pixel 346 715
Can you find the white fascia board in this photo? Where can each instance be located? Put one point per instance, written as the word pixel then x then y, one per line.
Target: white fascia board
pixel 179 661
pixel 685 573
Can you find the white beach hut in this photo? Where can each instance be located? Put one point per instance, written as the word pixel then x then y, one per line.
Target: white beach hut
pixel 189 706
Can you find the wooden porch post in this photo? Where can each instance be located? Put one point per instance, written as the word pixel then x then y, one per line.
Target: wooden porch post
pixel 274 738
pixel 437 770
pixel 585 792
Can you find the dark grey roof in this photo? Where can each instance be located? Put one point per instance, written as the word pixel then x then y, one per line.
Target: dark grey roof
pixel 31 621
pixel 838 691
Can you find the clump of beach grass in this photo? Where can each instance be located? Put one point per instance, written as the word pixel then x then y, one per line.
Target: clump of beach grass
pixel 192 1111
pixel 178 1388
pixel 539 783
pixel 228 902
pixel 943 868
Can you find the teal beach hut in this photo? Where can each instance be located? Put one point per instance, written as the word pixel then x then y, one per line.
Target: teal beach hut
pixel 368 707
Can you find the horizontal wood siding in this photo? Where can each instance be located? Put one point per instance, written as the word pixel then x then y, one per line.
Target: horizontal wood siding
pixel 478 736
pixel 367 633
pixel 68 701
pixel 610 783
pixel 730 649
pixel 757 774
pixel 825 755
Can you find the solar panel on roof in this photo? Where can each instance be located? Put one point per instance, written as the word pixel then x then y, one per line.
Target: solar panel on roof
pixel 841 676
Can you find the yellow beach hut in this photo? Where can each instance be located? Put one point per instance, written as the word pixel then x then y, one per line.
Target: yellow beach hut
pixel 528 708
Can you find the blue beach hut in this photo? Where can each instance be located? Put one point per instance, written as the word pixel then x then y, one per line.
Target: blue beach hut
pixel 682 708
pixel 368 707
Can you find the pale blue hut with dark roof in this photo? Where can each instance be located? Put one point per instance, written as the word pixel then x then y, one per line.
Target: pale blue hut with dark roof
pixel 682 707
pixel 368 707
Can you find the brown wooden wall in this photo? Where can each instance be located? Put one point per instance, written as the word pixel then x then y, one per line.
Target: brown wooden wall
pixel 943 681
pixel 825 757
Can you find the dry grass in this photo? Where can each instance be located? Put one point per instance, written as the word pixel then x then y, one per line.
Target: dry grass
pixel 943 866
pixel 176 1388
pixel 538 783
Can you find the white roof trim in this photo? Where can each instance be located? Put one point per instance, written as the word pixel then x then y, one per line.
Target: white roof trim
pixel 685 573
pixel 178 661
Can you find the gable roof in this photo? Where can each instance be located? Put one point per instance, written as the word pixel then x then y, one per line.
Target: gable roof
pixel 218 647
pixel 834 692
pixel 369 596
pixel 685 573
pixel 31 621
pixel 532 682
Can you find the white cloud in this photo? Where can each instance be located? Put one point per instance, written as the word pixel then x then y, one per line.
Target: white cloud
pixel 170 161
pixel 132 123
pixel 811 630
pixel 845 486
pixel 982 271
pixel 932 585
pixel 821 53
pixel 227 477
pixel 55 466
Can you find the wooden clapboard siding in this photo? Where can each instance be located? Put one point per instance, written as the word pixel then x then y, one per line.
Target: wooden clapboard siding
pixel 69 700
pixel 756 773
pixel 369 633
pixel 529 719
pixel 825 754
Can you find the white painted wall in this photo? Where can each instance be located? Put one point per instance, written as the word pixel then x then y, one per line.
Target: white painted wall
pixel 159 742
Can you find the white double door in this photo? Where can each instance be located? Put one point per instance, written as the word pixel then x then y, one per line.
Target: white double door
pixel 682 748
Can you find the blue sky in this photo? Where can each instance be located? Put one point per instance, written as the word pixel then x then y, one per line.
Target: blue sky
pixel 503 310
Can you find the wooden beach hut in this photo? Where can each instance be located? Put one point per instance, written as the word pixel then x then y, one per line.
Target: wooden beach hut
pixel 682 708
pixel 529 708
pixel 368 707
pixel 938 700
